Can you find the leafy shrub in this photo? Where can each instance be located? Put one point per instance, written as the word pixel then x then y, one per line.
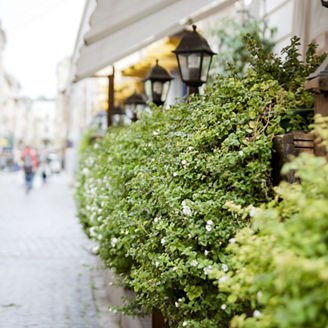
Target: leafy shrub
pixel 279 265
pixel 155 194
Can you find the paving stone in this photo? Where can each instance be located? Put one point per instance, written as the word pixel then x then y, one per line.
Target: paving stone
pixel 44 259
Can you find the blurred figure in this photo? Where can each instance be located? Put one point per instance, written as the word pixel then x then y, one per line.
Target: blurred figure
pixel 30 165
pixel 44 170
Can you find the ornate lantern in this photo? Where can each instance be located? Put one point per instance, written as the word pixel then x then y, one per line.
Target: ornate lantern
pixel 134 105
pixel 194 57
pixel 157 84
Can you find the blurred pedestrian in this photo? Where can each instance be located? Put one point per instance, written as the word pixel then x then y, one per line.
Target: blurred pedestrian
pixel 44 170
pixel 30 165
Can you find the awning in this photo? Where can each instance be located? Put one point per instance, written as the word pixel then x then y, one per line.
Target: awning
pixel 119 28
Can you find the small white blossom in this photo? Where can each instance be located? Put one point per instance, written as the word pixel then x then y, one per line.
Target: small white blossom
pixel 208 227
pixel 256 314
pixel 206 252
pixel 184 324
pixel 225 268
pixel 156 264
pixel 114 241
pixel 259 295
pixel 99 218
pixel 252 211
pixel 102 204
pixel 223 279
pixel 186 210
pixel 156 219
pixel 184 162
pixel 190 148
pixel 96 146
pixel 92 231
pixel 232 240
pixel 100 237
pixel 223 307
pixel 163 241
pixel 85 171
pixel 207 270
pixel 176 304
pixel 155 133
pixel 175 174
pixel 194 263
pixel 241 153
pixel 209 222
pixel 175 269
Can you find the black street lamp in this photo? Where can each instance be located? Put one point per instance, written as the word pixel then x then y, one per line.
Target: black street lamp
pixel 134 105
pixel 117 115
pixel 157 83
pixel 194 57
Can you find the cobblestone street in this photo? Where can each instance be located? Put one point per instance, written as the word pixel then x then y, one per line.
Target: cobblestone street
pixel 44 258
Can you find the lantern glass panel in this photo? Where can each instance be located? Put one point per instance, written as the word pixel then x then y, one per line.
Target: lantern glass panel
pixel 157 91
pixel 148 89
pixel 166 87
pixel 190 66
pixel 205 67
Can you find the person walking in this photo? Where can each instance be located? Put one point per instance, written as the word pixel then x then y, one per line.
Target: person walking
pixel 30 164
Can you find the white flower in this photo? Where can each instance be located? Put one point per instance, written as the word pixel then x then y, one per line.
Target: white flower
pixel 114 241
pixel 156 264
pixel 156 219
pixel 176 304
pixel 259 295
pixel 175 269
pixel 150 144
pixel 180 300
pixel 206 252
pixel 92 231
pixel 96 146
pixel 223 279
pixel 232 240
pixel 256 314
pixel 175 174
pixel 102 204
pixel 99 218
pixel 85 171
pixel 194 263
pixel 184 162
pixel 207 270
pixel 241 153
pixel 100 237
pixel 163 241
pixel 184 324
pixel 223 307
pixel 190 148
pixel 225 268
pixel 186 210
pixel 155 133
pixel 209 222
pixel 208 227
pixel 252 211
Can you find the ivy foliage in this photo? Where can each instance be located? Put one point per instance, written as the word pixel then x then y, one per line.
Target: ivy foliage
pixel 280 263
pixel 229 35
pixel 155 194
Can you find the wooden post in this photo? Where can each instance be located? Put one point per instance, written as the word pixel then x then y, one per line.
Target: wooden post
pixel 158 320
pixel 317 82
pixel 110 100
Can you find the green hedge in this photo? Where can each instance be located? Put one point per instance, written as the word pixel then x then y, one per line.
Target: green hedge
pixel 157 195
pixel 280 263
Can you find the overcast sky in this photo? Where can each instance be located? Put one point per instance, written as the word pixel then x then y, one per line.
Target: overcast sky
pixel 39 34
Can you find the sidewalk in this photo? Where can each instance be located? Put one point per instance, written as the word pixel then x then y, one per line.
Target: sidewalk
pixel 45 264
